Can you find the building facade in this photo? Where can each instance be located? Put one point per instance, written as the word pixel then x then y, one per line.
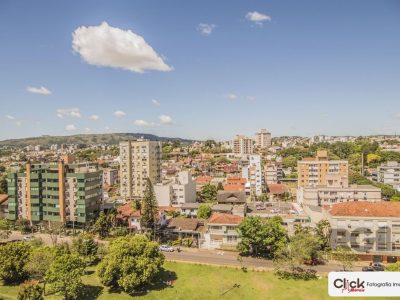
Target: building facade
pixel 273 172
pixel 55 192
pixel 263 139
pixel 389 173
pixel 242 145
pixel 179 190
pixel 322 195
pixel 254 176
pixel 139 160
pixel 110 176
pixel 365 227
pixel 320 171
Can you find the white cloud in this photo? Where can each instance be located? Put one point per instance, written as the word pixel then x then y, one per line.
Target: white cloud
pixel 108 46
pixel 38 90
pixel 155 102
pixel 231 96
pixel 10 117
pixel 68 112
pixel 87 129
pixel 205 29
pixel 143 123
pixel 166 120
pixel 94 117
pixel 107 128
pixel 18 123
pixel 257 18
pixel 70 127
pixel 119 113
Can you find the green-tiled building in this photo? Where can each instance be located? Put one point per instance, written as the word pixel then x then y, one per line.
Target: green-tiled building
pixel 55 192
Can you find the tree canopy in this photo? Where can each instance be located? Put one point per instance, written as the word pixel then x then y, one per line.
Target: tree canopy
pixel 13 258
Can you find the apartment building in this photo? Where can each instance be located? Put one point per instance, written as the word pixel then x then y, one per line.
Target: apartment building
pixel 179 190
pixel 389 173
pixel 365 226
pixel 55 192
pixel 320 171
pixel 139 160
pixel 253 174
pixel 273 172
pixel 263 139
pixel 110 176
pixel 242 145
pixel 221 231
pixel 323 195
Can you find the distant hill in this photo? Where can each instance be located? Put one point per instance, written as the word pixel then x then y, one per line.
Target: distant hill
pixel 106 138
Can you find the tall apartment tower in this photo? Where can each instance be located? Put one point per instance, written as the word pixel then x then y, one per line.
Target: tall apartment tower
pixel 242 145
pixel 320 171
pixel 139 160
pixel 253 175
pixel 263 139
pixel 55 192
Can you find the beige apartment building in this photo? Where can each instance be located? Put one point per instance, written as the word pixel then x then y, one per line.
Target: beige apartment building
pixel 139 160
pixel 263 139
pixel 323 195
pixel 242 145
pixel 320 171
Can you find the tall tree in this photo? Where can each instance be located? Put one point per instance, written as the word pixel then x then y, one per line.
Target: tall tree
pixel 204 211
pixel 102 226
pixel 85 246
pixel 323 233
pixel 262 237
pixel 64 275
pixel 13 258
pixel 208 193
pixel 345 256
pixel 131 262
pixel 149 206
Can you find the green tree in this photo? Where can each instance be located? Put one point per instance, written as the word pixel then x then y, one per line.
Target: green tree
pixel 323 233
pixel 131 262
pixel 149 206
pixel 5 231
pixel 220 186
pixel 289 161
pixel 85 246
pixel 30 290
pixel 204 211
pixel 208 193
pixel 40 260
pixel 13 258
pixel 262 237
pixel 345 256
pixel 3 185
pixel 64 275
pixel 102 226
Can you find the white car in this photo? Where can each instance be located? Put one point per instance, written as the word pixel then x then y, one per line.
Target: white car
pixel 166 248
pixel 27 238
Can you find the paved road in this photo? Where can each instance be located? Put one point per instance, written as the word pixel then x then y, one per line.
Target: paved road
pixel 213 257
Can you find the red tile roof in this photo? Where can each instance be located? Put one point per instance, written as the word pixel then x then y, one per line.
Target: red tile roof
pixel 127 210
pixel 234 187
pixel 183 224
pixel 276 188
pixel 203 179
pixel 218 218
pixel 365 209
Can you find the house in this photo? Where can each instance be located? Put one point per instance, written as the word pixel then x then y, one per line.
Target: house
pixel 235 184
pixel 189 209
pixel 234 198
pixel 369 227
pixel 221 231
pixel 181 189
pixel 129 216
pixel 184 228
pixel 222 208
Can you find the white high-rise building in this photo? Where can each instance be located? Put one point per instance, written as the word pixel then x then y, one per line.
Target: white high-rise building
pixel 179 190
pixel 263 139
pixel 139 160
pixel 253 174
pixel 242 145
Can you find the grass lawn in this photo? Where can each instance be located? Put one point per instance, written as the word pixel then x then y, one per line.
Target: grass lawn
pixel 207 282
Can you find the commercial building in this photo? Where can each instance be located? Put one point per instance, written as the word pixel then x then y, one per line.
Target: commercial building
pixel 365 226
pixel 323 195
pixel 139 160
pixel 253 174
pixel 55 192
pixel 389 173
pixel 179 190
pixel 263 139
pixel 242 145
pixel 320 171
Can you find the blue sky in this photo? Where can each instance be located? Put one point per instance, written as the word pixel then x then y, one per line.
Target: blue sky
pixel 295 67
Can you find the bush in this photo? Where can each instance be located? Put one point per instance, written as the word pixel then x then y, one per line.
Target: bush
pixel 393 267
pixel 297 274
pixel 13 258
pixel 30 290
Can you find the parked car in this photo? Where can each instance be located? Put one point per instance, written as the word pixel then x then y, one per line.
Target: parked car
pixel 166 248
pixel 374 267
pixel 27 238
